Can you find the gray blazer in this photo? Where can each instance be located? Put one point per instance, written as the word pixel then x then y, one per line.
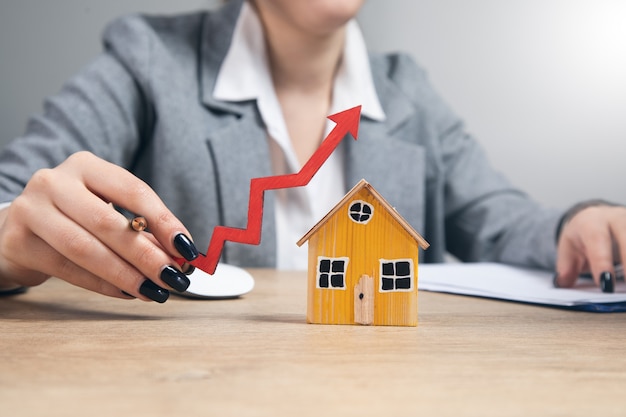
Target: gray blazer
pixel 146 104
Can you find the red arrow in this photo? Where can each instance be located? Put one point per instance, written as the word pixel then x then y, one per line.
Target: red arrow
pixel 347 122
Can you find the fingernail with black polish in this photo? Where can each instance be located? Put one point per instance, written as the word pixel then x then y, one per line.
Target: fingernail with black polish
pixel 555 281
pixel 128 295
pixel 175 279
pixel 186 247
pixel 607 283
pixel 154 292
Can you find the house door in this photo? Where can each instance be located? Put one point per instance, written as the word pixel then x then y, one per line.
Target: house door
pixel 364 300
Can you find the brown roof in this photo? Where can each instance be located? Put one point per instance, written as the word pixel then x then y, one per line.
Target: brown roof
pixel 392 211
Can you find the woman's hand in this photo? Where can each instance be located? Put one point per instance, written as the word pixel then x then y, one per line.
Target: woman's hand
pixel 64 225
pixel 593 240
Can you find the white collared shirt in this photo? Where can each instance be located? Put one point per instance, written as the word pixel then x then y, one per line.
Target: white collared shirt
pixel 245 75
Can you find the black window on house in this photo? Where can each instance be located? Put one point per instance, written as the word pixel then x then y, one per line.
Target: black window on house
pixel 396 275
pixel 360 211
pixel 331 272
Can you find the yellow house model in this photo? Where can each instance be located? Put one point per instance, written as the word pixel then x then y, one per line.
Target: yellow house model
pixel 363 261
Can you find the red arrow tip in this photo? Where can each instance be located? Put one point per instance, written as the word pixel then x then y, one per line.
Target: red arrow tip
pixel 349 119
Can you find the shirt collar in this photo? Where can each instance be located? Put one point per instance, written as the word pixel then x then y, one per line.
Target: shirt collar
pixel 244 74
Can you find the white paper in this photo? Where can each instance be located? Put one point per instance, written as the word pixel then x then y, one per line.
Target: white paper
pixel 512 283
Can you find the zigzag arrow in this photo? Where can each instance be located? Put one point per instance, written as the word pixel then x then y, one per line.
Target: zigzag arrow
pixel 347 122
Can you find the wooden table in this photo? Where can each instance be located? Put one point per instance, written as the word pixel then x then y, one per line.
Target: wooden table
pixel 67 352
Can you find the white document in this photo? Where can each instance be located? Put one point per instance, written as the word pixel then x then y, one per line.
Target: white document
pixel 518 284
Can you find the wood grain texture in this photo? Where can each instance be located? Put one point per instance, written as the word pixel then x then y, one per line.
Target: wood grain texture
pixel 364 300
pixel 67 352
pixel 365 245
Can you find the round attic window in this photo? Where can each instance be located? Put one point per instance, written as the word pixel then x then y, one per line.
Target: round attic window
pixel 361 212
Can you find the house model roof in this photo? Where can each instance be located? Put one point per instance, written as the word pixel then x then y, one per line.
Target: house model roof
pixel 390 209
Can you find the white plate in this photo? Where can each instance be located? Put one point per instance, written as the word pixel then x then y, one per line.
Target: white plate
pixel 228 282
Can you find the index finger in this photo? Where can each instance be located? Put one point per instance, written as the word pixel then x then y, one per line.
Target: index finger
pixel 618 233
pixel 117 185
pixel 606 245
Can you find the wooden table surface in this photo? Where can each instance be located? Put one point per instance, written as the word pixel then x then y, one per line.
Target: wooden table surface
pixel 67 352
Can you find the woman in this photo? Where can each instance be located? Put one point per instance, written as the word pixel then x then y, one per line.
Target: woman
pixel 177 115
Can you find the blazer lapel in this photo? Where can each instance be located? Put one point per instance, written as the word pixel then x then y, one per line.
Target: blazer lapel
pixel 394 167
pixel 386 157
pixel 238 145
pixel 239 151
pixel 217 33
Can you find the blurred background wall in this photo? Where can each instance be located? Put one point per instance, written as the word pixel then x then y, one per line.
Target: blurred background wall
pixel 541 83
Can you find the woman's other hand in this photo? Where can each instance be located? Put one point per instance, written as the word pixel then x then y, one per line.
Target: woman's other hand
pixel 592 241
